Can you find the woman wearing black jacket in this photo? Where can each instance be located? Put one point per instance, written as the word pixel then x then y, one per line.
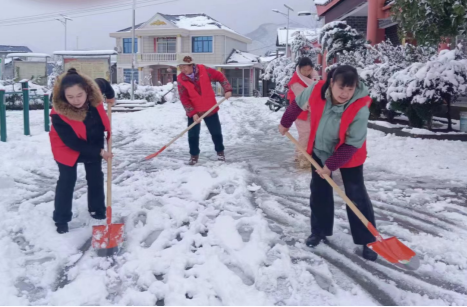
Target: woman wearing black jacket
pixel 77 136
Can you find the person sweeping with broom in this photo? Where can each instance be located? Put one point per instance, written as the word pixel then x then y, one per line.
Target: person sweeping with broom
pixel 77 136
pixel 197 97
pixel 339 111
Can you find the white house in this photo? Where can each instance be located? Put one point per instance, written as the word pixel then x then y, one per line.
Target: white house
pixel 163 37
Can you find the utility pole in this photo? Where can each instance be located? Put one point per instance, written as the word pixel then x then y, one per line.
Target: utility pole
pixel 64 22
pixel 288 24
pixel 133 61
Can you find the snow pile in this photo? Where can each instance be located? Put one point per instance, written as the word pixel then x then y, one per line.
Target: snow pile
pixel 154 94
pixel 28 55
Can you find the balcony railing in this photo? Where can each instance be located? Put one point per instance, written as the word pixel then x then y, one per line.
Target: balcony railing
pixel 147 58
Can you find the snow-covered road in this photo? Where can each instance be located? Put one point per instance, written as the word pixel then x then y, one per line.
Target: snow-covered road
pixel 231 233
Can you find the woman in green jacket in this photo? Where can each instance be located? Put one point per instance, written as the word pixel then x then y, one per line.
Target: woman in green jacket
pixel 339 111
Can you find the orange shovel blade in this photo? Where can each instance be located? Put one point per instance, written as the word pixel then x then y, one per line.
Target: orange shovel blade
pixel 394 251
pixel 107 236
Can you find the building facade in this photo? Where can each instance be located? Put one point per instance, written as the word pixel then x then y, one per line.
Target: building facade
pixel 161 39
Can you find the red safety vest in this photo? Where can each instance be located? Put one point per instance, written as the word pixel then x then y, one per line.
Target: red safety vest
pixel 207 99
pixel 64 154
pixel 291 95
pixel 317 105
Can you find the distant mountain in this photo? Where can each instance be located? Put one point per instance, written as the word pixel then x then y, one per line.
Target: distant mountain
pixel 264 38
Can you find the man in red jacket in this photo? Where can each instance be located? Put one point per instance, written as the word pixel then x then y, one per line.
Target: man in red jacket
pixel 197 96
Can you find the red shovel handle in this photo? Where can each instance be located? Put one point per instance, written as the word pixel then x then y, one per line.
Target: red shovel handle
pixel 156 154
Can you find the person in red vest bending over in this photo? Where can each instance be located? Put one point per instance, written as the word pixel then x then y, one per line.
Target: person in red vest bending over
pixel 197 96
pixel 77 136
pixel 339 111
pixel 303 77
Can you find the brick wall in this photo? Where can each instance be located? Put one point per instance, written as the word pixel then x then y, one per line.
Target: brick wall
pixel 391 34
pixel 358 22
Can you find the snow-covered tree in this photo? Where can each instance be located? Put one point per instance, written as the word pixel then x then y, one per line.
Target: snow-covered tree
pixel 421 88
pixel 56 71
pixel 279 71
pixel 431 21
pixel 302 47
pixel 337 37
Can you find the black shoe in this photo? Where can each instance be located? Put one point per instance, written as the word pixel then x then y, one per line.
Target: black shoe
pixel 315 239
pixel 369 254
pixel 98 216
pixel 193 160
pixel 221 156
pixel 62 227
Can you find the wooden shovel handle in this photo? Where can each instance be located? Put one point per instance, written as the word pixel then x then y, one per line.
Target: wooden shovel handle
pixel 186 130
pixel 109 161
pixel 341 193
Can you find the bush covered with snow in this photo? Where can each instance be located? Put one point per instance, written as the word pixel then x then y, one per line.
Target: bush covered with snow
pixel 337 37
pixel 15 101
pixel 279 71
pixel 156 94
pixel 420 89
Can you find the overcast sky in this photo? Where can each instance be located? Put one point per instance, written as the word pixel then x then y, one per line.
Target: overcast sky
pixel 92 32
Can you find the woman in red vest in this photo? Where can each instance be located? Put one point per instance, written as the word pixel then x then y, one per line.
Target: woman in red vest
pixel 303 77
pixel 197 96
pixel 77 136
pixel 339 111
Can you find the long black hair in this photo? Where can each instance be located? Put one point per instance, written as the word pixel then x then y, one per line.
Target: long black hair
pixel 346 75
pixel 71 79
pixel 305 61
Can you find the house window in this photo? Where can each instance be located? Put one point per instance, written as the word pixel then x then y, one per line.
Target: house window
pixel 127 45
pixel 202 44
pixel 127 75
pixel 165 45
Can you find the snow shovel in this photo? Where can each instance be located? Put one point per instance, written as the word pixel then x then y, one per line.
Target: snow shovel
pixel 186 130
pixel 106 238
pixel 390 249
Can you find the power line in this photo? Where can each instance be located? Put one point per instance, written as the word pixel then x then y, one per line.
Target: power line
pixel 48 16
pixel 86 15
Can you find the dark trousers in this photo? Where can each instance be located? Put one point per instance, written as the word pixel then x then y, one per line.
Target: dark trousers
pixel 66 185
pixel 214 127
pixel 322 204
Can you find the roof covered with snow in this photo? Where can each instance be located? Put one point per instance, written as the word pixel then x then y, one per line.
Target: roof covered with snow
pixel 310 34
pixel 195 22
pixel 85 53
pixel 28 54
pixel 241 57
pixel 189 22
pixel 8 48
pixel 322 2
pixel 130 28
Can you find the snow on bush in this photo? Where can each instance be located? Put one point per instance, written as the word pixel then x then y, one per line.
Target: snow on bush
pixel 337 37
pixel 15 101
pixel 280 71
pixel 156 94
pixel 422 87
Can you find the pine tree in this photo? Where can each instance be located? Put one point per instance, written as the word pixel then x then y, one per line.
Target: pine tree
pixel 337 37
pixel 431 21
